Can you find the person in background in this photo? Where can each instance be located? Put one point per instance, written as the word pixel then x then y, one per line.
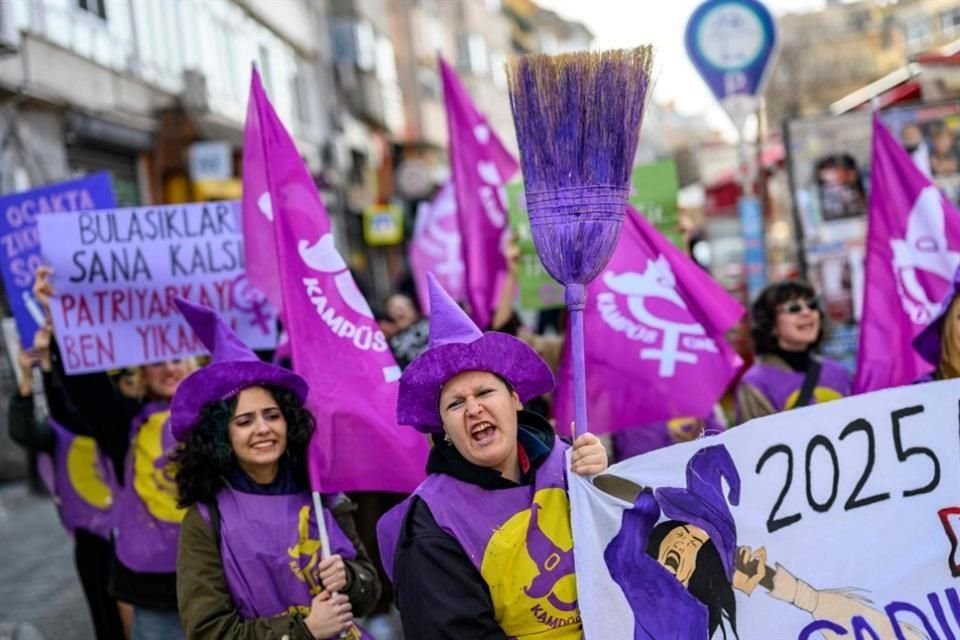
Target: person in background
pixel 410 337
pixel 135 435
pixel 82 483
pixel 939 342
pixel 787 327
pixel 249 564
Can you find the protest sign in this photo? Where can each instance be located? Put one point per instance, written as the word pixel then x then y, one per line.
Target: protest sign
pixel 538 289
pixel 118 271
pixel 839 518
pixel 21 244
pixel 653 193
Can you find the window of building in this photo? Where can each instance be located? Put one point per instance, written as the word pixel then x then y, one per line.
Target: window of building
pixel 472 54
pixel 96 7
pixel 429 81
pixel 366 46
pixel 950 21
pixel 918 32
pixel 263 61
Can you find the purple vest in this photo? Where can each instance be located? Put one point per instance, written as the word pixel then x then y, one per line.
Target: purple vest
pixel 519 539
pixel 639 440
pixel 147 517
pixel 83 483
pixel 270 549
pixel 782 386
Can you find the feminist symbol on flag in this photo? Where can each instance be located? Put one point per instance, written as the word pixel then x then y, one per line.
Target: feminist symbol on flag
pixel 923 252
pixel 255 303
pixel 657 282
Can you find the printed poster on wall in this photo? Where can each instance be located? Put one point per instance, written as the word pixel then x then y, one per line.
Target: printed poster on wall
pixel 836 520
pixel 21 243
pixel 118 271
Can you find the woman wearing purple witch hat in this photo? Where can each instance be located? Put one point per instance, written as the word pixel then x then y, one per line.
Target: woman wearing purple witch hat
pixel 939 342
pixel 787 328
pixel 250 564
pixel 483 548
pixel 134 433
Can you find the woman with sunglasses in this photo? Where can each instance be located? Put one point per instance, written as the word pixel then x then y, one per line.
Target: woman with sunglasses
pixel 787 373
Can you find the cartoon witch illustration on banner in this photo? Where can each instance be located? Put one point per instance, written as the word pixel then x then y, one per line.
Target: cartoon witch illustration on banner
pixel 679 575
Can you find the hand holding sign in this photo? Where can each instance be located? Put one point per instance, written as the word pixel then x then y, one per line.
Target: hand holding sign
pixel 43 289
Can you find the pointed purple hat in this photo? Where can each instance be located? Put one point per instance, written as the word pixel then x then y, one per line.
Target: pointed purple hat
pixel 703 504
pixel 457 345
pixel 928 342
pixel 233 367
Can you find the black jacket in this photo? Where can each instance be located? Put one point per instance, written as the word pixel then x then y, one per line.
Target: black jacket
pixel 440 593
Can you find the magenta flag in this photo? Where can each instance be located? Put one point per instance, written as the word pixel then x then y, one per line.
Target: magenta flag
pixel 655 322
pixel 913 251
pixel 435 247
pixel 336 343
pixel 481 166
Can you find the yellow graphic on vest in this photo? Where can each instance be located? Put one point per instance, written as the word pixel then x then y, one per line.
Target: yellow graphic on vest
pixel 820 395
pixel 305 547
pixel 528 566
pixel 86 474
pixel 153 473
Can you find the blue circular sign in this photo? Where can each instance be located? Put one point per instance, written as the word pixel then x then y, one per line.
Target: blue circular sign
pixel 731 43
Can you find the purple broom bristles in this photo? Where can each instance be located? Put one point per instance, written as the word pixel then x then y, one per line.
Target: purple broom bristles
pixel 577 118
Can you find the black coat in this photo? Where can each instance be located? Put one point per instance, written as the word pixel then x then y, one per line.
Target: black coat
pixel 439 592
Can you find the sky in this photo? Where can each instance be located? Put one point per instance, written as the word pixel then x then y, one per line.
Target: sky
pixel 628 23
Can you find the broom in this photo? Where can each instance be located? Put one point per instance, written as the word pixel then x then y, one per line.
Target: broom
pixel 577 118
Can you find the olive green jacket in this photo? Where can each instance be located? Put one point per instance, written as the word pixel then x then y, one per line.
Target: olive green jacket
pixel 206 607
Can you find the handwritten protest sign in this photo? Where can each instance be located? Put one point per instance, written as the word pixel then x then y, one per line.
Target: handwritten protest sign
pixel 20 244
pixel 117 273
pixel 836 520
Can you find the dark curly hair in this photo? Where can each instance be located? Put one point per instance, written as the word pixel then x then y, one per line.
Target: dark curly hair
pixel 206 457
pixel 763 312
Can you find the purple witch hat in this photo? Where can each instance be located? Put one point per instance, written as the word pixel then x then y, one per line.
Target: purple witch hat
pixel 457 345
pixel 233 367
pixel 702 503
pixel 927 344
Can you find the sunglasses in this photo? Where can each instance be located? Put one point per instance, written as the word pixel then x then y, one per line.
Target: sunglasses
pixel 799 306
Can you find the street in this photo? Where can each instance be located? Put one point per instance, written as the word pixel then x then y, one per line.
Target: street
pixel 38 581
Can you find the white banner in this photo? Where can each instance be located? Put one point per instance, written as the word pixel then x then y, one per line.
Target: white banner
pixel 833 521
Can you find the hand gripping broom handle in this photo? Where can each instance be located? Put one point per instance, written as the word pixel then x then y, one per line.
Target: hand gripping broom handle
pixel 575 297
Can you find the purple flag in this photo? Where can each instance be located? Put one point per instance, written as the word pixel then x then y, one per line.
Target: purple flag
pixel 656 322
pixel 481 165
pixel 913 251
pixel 336 343
pixel 435 247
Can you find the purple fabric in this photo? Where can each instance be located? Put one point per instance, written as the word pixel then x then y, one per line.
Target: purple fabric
pixel 146 517
pixel 913 253
pixel 327 318
pixel 457 345
pixel 473 516
pixel 436 247
pixel 782 386
pixel 481 165
pixel 233 367
pixel 703 504
pixel 83 483
pixel 928 341
pixel 655 319
pixel 662 607
pixel 270 550
pixel 643 439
